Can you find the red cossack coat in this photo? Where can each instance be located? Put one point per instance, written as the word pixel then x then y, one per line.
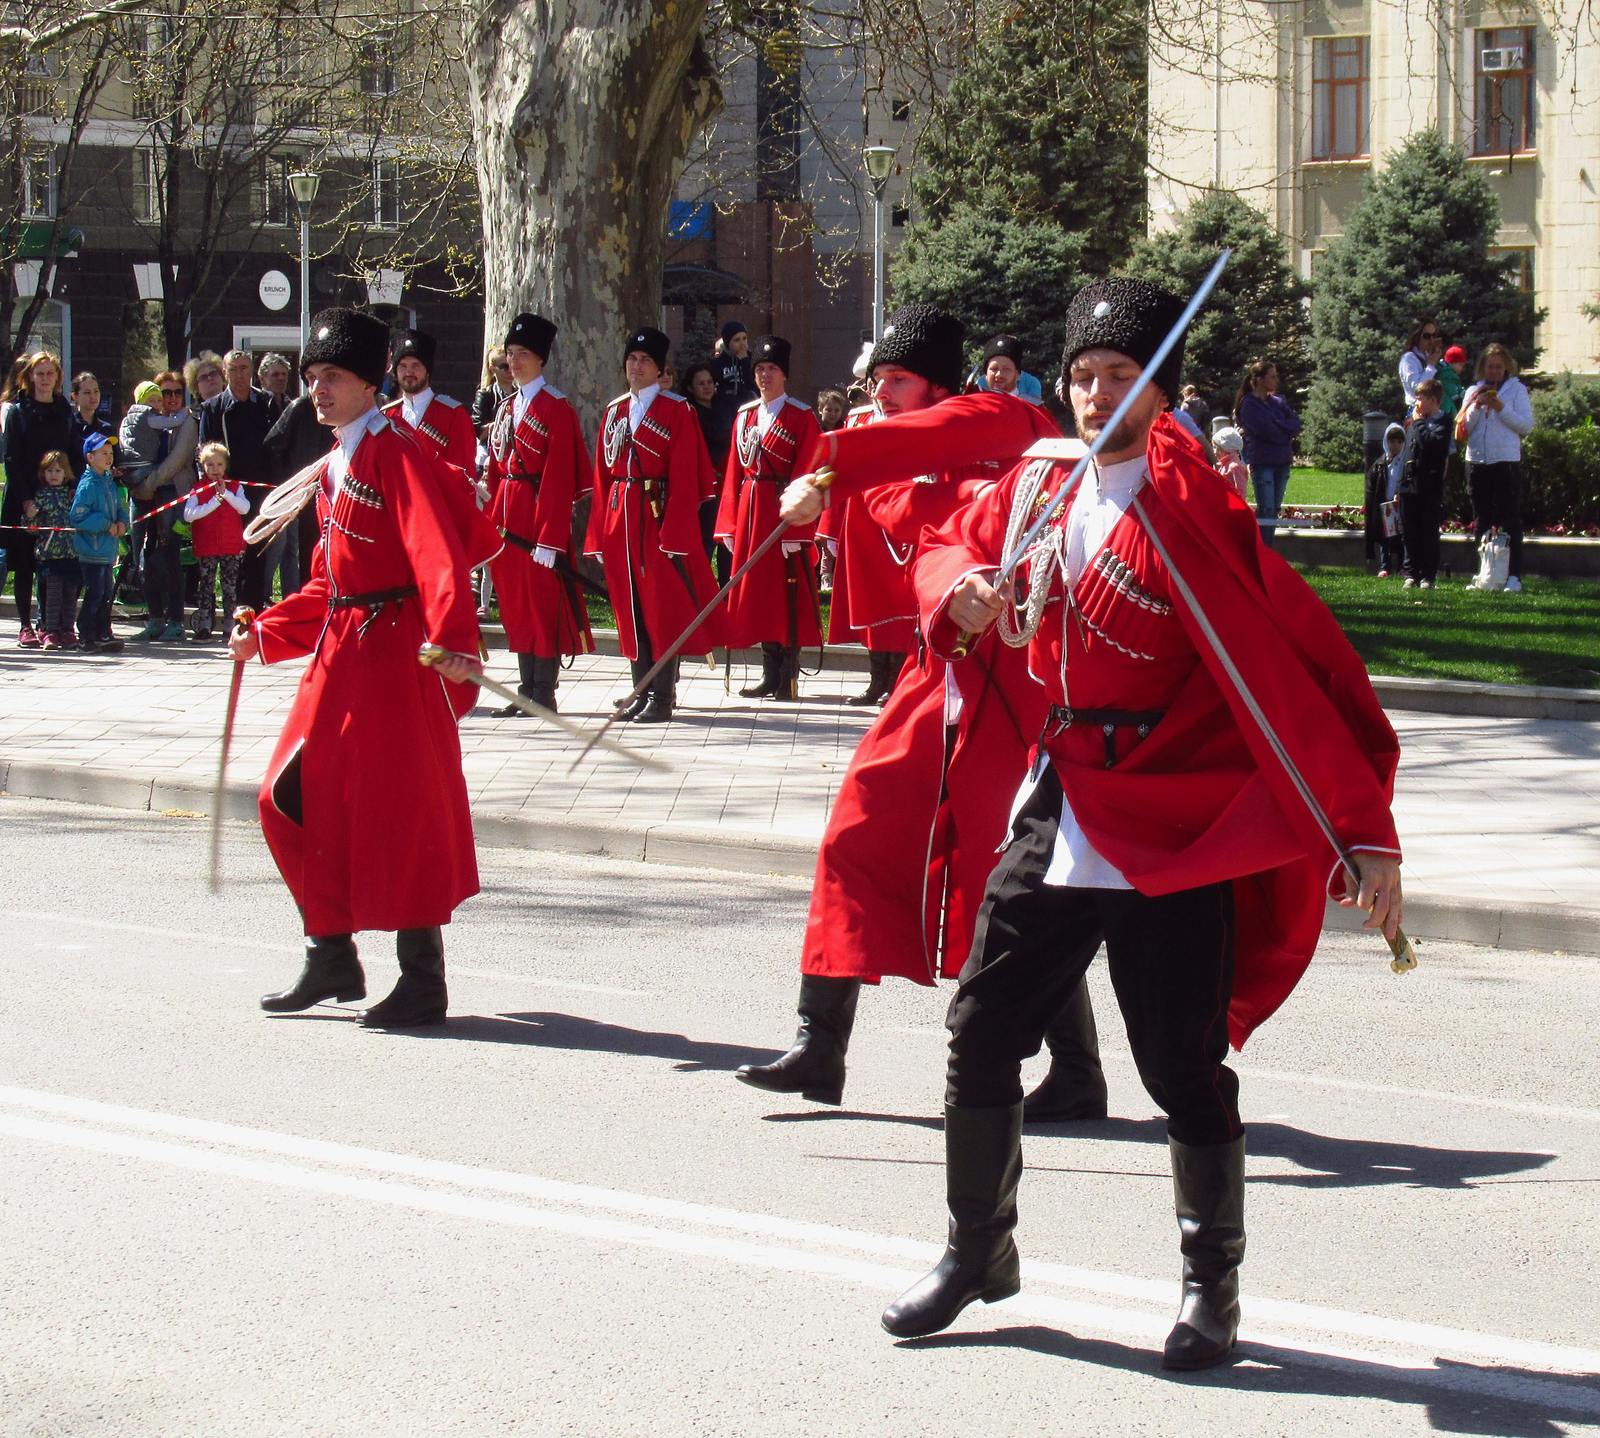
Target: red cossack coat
pixel 922 810
pixel 1202 799
pixel 446 429
pixel 537 472
pixel 776 602
pixel 384 836
pixel 645 524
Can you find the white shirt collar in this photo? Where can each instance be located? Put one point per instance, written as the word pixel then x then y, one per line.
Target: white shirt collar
pixel 525 394
pixel 349 437
pixel 1121 476
pixel 640 403
pixel 769 412
pixel 414 406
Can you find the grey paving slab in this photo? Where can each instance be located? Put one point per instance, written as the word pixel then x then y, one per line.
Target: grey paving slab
pixel 1497 815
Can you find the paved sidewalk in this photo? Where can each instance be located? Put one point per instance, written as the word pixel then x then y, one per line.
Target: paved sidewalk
pixel 1500 818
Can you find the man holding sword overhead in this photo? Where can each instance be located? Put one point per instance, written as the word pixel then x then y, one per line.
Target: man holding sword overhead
pixel 1209 729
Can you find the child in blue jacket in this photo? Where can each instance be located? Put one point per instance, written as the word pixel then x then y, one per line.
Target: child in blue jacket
pixel 100 519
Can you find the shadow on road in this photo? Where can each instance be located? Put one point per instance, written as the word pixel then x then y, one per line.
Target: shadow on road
pixel 1484 1400
pixel 1328 1162
pixel 573 1031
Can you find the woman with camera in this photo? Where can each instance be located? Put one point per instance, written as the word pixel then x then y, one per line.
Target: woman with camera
pixel 1495 415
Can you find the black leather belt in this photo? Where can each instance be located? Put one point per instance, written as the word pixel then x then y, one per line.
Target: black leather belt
pixel 1141 721
pixel 373 599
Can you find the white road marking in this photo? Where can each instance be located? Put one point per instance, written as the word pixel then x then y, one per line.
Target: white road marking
pixel 1388 1334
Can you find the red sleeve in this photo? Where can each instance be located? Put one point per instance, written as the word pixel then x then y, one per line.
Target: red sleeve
pixel 689 480
pixel 728 505
pixel 593 541
pixel 290 628
pixel 806 443
pixel 462 448
pixel 971 540
pixel 562 479
pixel 964 429
pixel 434 551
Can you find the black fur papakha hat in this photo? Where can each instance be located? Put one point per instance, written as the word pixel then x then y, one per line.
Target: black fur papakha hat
pixel 532 332
pixel 1004 347
pixel 926 340
pixel 651 342
pixel 352 340
pixel 1131 317
pixel 413 344
pixel 771 349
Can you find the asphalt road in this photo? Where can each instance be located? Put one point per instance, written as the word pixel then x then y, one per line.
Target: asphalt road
pixel 560 1214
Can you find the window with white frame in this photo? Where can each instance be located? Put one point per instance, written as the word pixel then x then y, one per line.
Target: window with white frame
pixel 149 176
pixel 387 211
pixel 1503 91
pixel 39 182
pixel 375 64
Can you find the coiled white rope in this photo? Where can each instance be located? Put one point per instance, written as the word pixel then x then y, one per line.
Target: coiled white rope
pixel 1044 557
pixel 282 504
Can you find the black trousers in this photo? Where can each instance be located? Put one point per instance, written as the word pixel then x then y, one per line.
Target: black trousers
pixel 1496 491
pixel 1171 966
pixel 1419 533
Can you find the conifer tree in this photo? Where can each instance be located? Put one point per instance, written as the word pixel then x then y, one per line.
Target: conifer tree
pixel 1257 310
pixel 1417 244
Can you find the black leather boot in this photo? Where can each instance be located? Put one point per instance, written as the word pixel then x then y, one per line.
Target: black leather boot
pixel 1208 1185
pixel 332 971
pixel 771 657
pixel 525 687
pixel 420 997
pixel 1075 1087
pixel 545 674
pixel 814 1066
pixel 875 689
pixel 788 674
pixel 635 706
pixel 983 1165
pixel 662 698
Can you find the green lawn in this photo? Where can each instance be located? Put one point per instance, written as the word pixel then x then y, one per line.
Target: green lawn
pixel 1548 634
pixel 1323 486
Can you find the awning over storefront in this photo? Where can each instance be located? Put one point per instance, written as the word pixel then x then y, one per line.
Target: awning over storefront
pixel 33 241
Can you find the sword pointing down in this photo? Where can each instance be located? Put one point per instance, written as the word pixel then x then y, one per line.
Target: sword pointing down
pixel 431 654
pixel 1405 957
pixel 821 479
pixel 242 620
pixel 964 641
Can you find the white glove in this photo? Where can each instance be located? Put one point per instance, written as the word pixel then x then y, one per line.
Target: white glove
pixel 789 549
pixel 483 493
pixel 545 555
pixel 833 547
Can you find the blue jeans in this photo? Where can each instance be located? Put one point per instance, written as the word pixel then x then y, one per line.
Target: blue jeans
pixel 1269 482
pixel 94 613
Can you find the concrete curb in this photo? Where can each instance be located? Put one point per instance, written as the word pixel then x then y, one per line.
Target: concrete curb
pixel 1540 928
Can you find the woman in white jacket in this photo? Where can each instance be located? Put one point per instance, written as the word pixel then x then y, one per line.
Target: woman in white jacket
pixel 1496 414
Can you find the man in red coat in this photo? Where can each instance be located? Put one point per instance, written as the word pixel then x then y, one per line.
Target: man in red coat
pixel 441 423
pixel 912 834
pixel 364 805
pixel 651 473
pixel 775 605
pixel 1156 816
pixel 536 474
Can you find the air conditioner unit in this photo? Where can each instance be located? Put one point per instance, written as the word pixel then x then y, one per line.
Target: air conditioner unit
pixel 1497 62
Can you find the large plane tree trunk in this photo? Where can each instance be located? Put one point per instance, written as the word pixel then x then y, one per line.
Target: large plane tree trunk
pixel 582 111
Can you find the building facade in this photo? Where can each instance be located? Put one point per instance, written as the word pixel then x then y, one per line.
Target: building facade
pixel 1295 105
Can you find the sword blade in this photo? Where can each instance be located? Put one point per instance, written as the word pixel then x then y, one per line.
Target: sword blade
pixel 430 654
pixel 242 619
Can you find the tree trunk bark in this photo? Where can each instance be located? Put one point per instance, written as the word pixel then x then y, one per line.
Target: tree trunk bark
pixel 582 112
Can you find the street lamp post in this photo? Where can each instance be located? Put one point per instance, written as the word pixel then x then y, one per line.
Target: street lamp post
pixel 879 160
pixel 303 186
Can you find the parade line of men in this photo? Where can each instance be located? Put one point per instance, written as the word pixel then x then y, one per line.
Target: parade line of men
pixel 1144 742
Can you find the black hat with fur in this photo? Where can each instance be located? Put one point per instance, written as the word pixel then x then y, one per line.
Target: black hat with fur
pixel 926 340
pixel 1131 317
pixel 352 340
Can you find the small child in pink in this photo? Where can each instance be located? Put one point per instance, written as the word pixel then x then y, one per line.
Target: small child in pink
pixel 1230 459
pixel 213 512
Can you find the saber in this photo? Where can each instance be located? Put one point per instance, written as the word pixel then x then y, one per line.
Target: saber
pixel 242 620
pixel 1405 957
pixel 821 479
pixel 965 640
pixel 431 654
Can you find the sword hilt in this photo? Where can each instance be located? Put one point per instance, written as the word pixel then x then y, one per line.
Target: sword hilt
pixel 243 618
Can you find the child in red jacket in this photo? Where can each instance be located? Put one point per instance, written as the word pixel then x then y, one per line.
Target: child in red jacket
pixel 214 513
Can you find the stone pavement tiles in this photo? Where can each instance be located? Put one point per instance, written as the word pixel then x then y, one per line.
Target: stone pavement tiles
pixel 1499 811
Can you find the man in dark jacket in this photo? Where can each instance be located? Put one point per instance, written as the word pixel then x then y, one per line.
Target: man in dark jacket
pixel 239 418
pixel 1421 488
